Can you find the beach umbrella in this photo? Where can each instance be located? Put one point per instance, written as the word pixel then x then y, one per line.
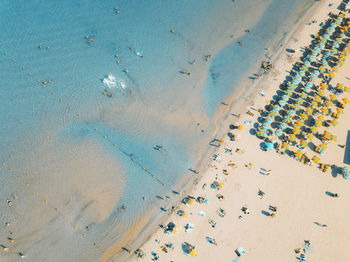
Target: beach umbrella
pixel 283 125
pixel 314 104
pixel 272 114
pixel 316 72
pixel 304 116
pixel 309 84
pixel 300 100
pixel 314 129
pixel 261 133
pixel 285 98
pixel 303 95
pixel 340 111
pixel 322 147
pixel 282 102
pixel 276 107
pixel 266 126
pixel 320 93
pixel 298 78
pixel 307 89
pixel 334 138
pixel 346 172
pixel 278 132
pixel 292 137
pixel 345 100
pixel 240 127
pixel 309 136
pixel 328 103
pixel 296 107
pixel 347 89
pixel 324 110
pixel 303 143
pixel 315 159
pixel 309 110
pixel 332 97
pixel 317 98
pixel 289 92
pixel 334 122
pixel 323 86
pixel 287 118
pixel 307 63
pixel 322 69
pixel 291 113
pixel 269 145
pixel 285 145
pixel 296 131
pixel 298 154
pixel 313 78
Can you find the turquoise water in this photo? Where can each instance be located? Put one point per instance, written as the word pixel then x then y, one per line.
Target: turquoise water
pixel 159 106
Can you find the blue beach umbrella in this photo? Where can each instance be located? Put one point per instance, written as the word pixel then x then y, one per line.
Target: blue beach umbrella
pixel 346 172
pixel 291 113
pixel 301 73
pixel 283 125
pixel 269 145
pixel 282 102
pixel 309 84
pixel 313 78
pixel 307 63
pixel 342 35
pixel 278 132
pixel 339 19
pixel 307 89
pixel 298 78
pixel 285 97
pixel 316 72
pixel 276 107
pixel 266 126
pixel 269 119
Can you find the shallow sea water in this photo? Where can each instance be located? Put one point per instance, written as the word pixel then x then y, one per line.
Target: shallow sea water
pixel 43 126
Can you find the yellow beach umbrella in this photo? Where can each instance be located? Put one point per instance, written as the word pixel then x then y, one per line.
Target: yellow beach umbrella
pixel 298 154
pixel 323 86
pixel 334 138
pixel 334 122
pixel 315 159
pixel 296 130
pixel 285 145
pixel 303 116
pixel 309 110
pixel 345 100
pixel 332 97
pixel 314 130
pixel 317 98
pixel 310 136
pixel 328 103
pixel 340 111
pixel 314 104
pixel 240 127
pixel 347 89
pixel 324 110
pixel 323 146
pixel 303 143
pixel 320 93
pixel 292 137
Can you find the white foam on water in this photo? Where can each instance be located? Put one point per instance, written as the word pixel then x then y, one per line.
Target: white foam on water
pixel 111 82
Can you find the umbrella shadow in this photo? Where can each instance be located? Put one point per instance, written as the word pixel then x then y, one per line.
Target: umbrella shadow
pixel 260 119
pixel 312 146
pixel 256 125
pixel 336 170
pixel 329 194
pixel 252 131
pixel 265 213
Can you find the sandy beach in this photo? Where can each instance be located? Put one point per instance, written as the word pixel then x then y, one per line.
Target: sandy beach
pixel 134 125
pixel 302 194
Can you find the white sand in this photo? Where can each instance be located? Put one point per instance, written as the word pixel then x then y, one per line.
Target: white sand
pixel 297 190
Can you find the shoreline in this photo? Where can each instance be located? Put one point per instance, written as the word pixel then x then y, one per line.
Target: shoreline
pixel 158 234
pixel 243 97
